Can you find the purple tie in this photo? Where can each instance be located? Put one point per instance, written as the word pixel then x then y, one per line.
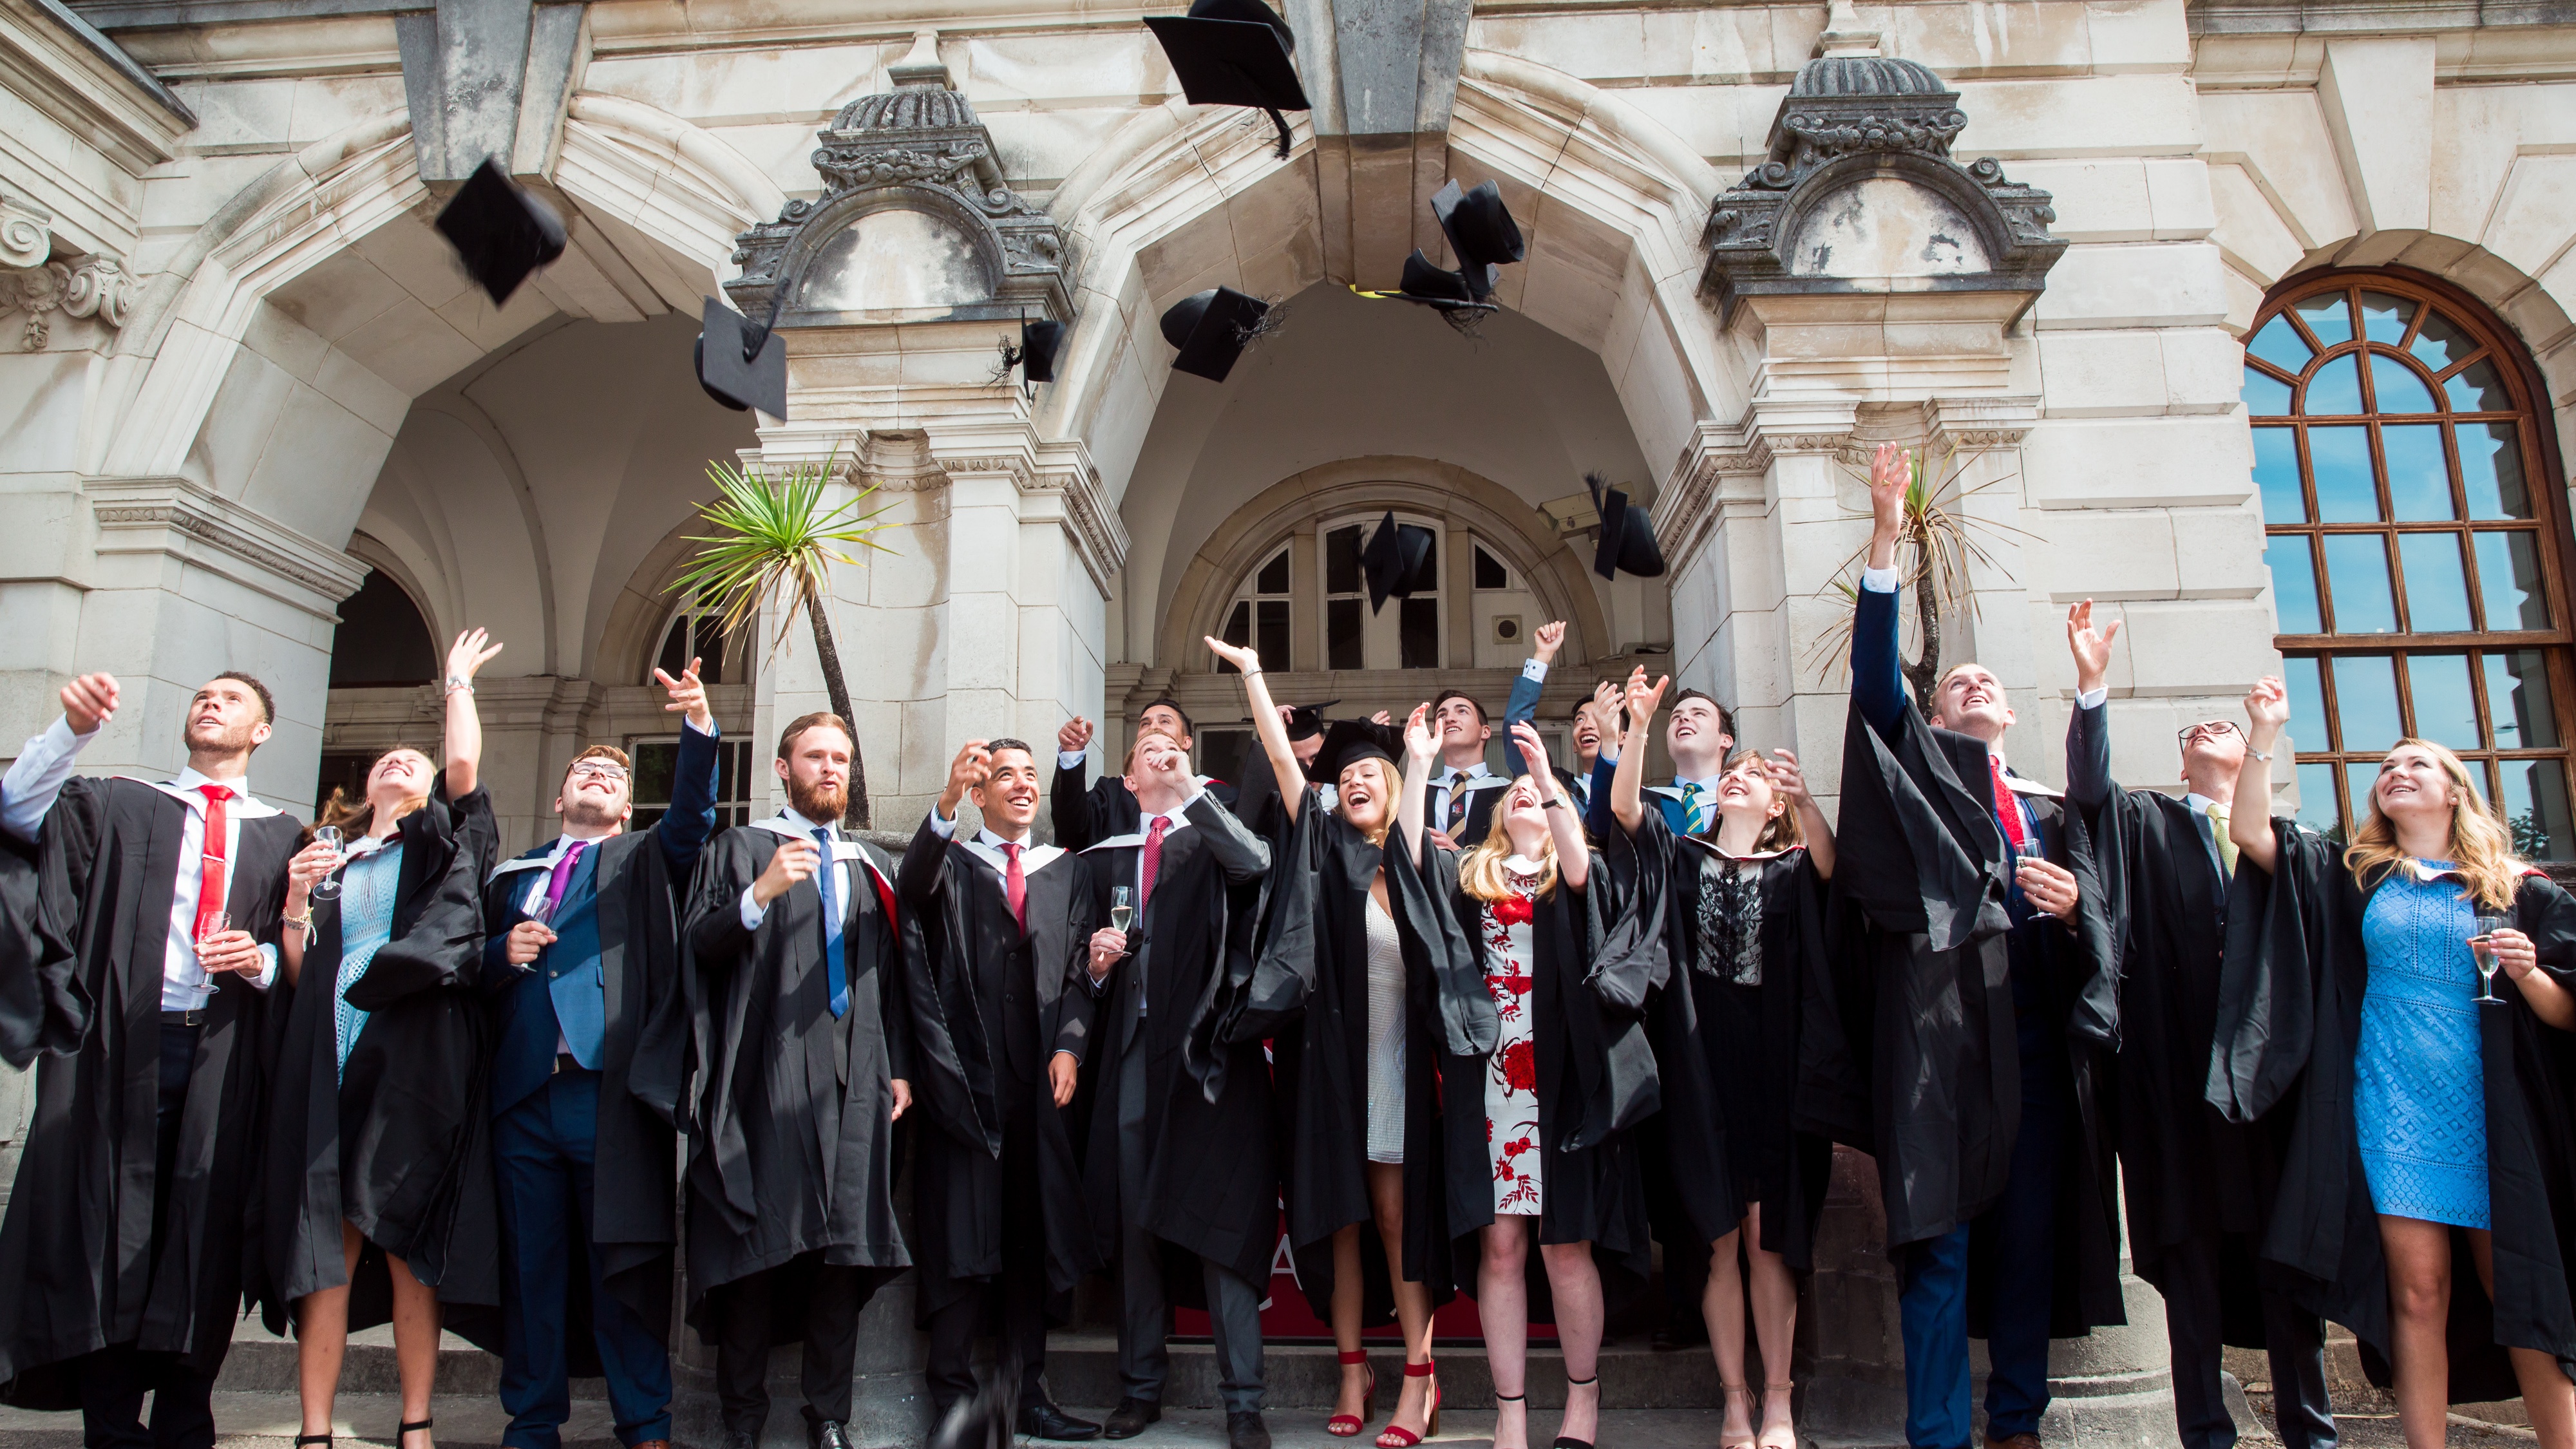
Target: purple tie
pixel 563 876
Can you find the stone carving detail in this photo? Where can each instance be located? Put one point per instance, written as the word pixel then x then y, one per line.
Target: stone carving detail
pixel 26 232
pixel 90 287
pixel 918 147
pixel 1847 119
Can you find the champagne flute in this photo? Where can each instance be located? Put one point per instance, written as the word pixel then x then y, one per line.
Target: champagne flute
pixel 2482 946
pixel 330 838
pixel 210 924
pixel 1122 907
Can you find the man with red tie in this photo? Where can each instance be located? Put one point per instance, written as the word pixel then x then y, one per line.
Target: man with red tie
pixel 999 1033
pixel 121 1256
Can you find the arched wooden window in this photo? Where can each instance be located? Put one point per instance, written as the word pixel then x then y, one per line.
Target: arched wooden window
pixel 2415 538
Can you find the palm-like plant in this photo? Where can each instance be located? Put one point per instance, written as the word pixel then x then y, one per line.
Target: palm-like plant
pixel 771 542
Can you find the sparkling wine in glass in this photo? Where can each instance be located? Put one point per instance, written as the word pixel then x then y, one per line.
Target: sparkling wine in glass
pixel 331 839
pixel 1122 907
pixel 2482 946
pixel 210 924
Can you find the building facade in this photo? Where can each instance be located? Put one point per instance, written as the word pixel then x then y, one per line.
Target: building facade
pixel 2246 318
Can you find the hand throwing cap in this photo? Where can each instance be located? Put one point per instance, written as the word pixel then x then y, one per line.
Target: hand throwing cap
pixel 1480 231
pixel 1209 328
pixel 739 382
pixel 1627 535
pixel 1232 53
pixel 1040 344
pixel 499 231
pixel 1397 561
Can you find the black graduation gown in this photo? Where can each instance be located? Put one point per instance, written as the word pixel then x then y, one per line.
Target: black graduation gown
pixel 389 1144
pixel 2288 1026
pixel 2188 1173
pixel 991 1005
pixel 1596 1082
pixel 1705 1146
pixel 791 1144
pixel 44 1010
pixel 634 1210
pixel 1910 1051
pixel 1212 1183
pixel 1084 818
pixel 76 1262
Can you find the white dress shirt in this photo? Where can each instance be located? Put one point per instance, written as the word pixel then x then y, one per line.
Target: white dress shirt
pixel 753 911
pixel 1449 780
pixel 987 846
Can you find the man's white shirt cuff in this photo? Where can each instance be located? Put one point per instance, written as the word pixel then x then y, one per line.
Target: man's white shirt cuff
pixel 945 829
pixel 752 911
pixel 1535 670
pixel 267 967
pixel 1879 581
pixel 2092 698
pixel 1067 759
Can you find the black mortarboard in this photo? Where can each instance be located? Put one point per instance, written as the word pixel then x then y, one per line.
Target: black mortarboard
pixel 1210 329
pixel 1234 53
pixel 739 382
pixel 1351 740
pixel 1397 561
pixel 1627 535
pixel 1039 344
pixel 1431 285
pixel 499 231
pixel 1480 231
pixel 1305 721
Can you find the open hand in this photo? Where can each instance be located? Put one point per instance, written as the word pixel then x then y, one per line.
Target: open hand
pixel 467 655
pixel 1644 700
pixel 1382 717
pixel 1787 779
pixel 89 701
pixel 688 694
pixel 1534 758
pixel 2090 646
pixel 1606 704
pixel 1244 658
pixel 1420 741
pixel 2049 886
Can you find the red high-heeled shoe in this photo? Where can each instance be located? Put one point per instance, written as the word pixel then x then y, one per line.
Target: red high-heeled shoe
pixel 1346 1426
pixel 1396 1436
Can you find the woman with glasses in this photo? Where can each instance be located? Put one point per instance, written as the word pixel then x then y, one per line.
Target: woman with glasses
pixel 374 1118
pixel 2404 1005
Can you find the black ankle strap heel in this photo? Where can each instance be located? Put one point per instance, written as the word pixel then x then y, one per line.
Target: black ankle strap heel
pixel 1564 1441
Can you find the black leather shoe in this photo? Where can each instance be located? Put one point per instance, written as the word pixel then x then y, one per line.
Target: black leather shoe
pixel 826 1434
pixel 1046 1421
pixel 1246 1431
pixel 741 1439
pixel 1130 1418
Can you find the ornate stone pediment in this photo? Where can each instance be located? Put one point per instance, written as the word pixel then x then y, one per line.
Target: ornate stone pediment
pixel 915 222
pixel 1860 194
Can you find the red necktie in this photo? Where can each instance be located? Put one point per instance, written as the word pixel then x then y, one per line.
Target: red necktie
pixel 1015 885
pixel 1150 864
pixel 2007 809
pixel 210 870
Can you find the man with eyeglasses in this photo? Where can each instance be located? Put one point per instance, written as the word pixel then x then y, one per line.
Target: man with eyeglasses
pixel 584 968
pixel 2194 1181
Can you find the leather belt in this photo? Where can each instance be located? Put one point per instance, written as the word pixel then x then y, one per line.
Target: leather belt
pixel 194 1016
pixel 567 1062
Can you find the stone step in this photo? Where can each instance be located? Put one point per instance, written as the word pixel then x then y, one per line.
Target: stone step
pixel 1082 1368
pixel 261 1363
pixel 262 1420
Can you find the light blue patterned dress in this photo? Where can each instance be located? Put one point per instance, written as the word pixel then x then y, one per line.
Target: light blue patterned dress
pixel 367 886
pixel 2419 1094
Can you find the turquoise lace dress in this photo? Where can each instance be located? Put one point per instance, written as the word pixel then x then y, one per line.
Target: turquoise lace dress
pixel 367 886
pixel 2419 1089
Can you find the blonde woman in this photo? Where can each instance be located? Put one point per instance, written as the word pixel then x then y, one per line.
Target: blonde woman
pixel 2352 1015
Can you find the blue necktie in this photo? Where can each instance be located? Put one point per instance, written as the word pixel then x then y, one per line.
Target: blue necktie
pixel 832 968
pixel 1694 814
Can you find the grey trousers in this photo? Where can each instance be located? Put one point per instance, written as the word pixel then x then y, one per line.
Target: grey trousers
pixel 1144 1314
pixel 2299 1406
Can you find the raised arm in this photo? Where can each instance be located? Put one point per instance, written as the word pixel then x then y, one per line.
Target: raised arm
pixel 1606 711
pixel 2088 738
pixel 1877 671
pixel 2249 812
pixel 1789 780
pixel 465 658
pixel 1628 782
pixel 1573 853
pixel 685 827
pixel 1421 747
pixel 35 778
pixel 1265 719
pixel 1523 703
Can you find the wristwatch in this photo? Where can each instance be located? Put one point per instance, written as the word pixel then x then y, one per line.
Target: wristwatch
pixel 456 682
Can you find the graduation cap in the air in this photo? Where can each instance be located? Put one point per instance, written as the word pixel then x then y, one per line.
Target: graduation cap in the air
pixel 1035 355
pixel 1431 286
pixel 741 363
pixel 1397 561
pixel 1627 535
pixel 1480 232
pixel 1305 721
pixel 1234 53
pixel 499 231
pixel 1210 329
pixel 1350 741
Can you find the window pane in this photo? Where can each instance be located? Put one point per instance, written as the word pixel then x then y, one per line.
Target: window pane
pixel 2535 808
pixel 2384 318
pixel 1429 577
pixel 2335 389
pixel 2294 583
pixel 2357 573
pixel 2317 801
pixel 1270 637
pixel 1489 571
pixel 1420 624
pixel 2280 344
pixel 1342 562
pixel 1238 631
pixel 2518 700
pixel 2276 473
pixel 2509 576
pixel 2491 468
pixel 710 651
pixel 1342 634
pixel 675 645
pixel 655 765
pixel 1274 575
pixel 2477 389
pixel 2327 317
pixel 2366 703
pixel 2266 396
pixel 2307 702
pixel 2396 387
pixel 2347 492
pixel 2357 780
pixel 2446 706
pixel 2419 481
pixel 2442 342
pixel 2437 587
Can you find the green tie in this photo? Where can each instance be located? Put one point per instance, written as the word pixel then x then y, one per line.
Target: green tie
pixel 1694 813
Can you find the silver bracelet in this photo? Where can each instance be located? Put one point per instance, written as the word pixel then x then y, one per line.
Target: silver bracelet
pixel 456 682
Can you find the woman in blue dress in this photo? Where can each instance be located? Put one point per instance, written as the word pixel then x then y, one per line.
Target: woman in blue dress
pixel 376 1114
pixel 2348 1021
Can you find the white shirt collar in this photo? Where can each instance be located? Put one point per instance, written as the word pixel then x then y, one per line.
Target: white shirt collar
pixel 1450 774
pixel 988 836
pixel 242 806
pixel 2198 802
pixel 802 825
pixel 1706 786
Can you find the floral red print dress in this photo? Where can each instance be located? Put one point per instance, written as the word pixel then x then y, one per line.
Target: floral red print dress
pixel 1511 1073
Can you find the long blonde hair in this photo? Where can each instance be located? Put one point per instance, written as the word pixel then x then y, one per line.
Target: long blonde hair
pixel 2479 846
pixel 1481 874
